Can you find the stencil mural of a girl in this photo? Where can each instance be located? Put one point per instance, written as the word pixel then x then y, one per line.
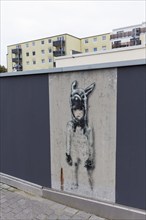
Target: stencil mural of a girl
pixel 80 154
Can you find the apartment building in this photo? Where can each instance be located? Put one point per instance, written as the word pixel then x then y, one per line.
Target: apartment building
pixel 95 43
pixel 128 36
pixel 41 53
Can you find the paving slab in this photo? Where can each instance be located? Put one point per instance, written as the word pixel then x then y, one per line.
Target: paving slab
pixel 18 205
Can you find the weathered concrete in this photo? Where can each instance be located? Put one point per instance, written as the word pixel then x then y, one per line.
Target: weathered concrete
pixel 101 118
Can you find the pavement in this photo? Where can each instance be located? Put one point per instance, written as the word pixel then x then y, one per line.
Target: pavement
pixel 19 205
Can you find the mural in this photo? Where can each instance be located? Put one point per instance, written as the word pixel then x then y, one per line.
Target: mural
pixel 80 154
pixel 83 132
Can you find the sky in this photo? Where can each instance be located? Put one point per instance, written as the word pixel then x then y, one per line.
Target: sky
pixel 23 21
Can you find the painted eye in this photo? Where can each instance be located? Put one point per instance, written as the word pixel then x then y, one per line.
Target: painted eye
pixel 82 96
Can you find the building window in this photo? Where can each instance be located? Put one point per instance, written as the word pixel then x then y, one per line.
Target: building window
pixel 33 43
pixel 34 62
pixel 42 42
pixel 86 41
pixel 50 50
pixel 33 53
pixel 43 60
pixel 60 38
pixel 27 54
pixel 103 47
pixel 27 62
pixel 27 45
pixel 95 39
pixel 42 51
pixel 86 50
pixel 95 49
pixel 50 60
pixel 103 37
pixel 49 41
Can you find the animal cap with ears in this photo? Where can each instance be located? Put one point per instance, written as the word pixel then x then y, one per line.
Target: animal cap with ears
pixel 87 91
pixel 79 98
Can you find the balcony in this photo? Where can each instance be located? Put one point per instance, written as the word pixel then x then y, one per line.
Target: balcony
pixel 16 60
pixel 17 51
pixel 126 44
pixel 135 42
pixel 59 43
pixel 17 67
pixel 143 30
pixel 121 35
pixel 58 53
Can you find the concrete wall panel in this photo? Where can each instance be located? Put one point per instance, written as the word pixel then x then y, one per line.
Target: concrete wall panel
pixel 101 119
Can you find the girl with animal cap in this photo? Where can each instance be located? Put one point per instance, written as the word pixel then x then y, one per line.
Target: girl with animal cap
pixel 80 146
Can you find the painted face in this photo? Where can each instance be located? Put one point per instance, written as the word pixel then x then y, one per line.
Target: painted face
pixel 78 114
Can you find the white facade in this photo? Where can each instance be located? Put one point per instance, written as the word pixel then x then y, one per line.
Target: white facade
pixel 128 36
pixel 116 55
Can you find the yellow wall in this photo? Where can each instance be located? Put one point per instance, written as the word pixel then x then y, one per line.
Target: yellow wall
pixel 72 43
pixel 37 57
pixel 143 38
pixel 9 59
pixel 98 44
pixel 38 47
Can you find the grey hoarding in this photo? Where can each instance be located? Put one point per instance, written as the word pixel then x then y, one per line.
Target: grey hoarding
pixel 131 137
pixel 25 139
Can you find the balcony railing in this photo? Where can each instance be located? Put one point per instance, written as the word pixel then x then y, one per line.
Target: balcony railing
pixel 18 67
pixel 17 51
pixel 17 60
pixel 134 32
pixel 120 35
pixel 126 44
pixel 59 43
pixel 58 53
pixel 143 30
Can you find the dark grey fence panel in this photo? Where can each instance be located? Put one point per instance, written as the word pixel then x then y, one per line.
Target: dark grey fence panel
pixel 131 137
pixel 25 132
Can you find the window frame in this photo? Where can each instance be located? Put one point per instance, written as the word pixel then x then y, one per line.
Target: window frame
pixel 103 37
pixel 103 48
pixel 95 49
pixel 86 41
pixel 50 60
pixel 94 41
pixel 42 52
pixel 86 50
pixel 43 61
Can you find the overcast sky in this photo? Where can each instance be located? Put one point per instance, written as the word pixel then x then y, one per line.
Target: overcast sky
pixel 29 20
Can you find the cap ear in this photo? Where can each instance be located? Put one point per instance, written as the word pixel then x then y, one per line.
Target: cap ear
pixel 89 89
pixel 73 85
